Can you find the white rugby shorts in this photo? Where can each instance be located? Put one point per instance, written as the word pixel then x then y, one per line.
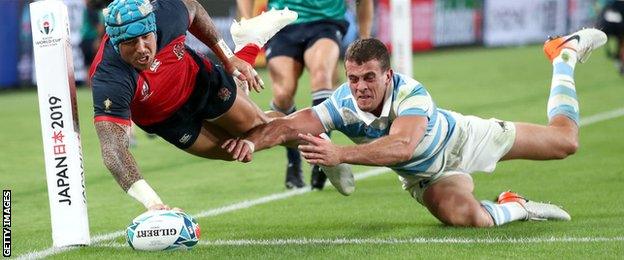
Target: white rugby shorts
pixel 476 146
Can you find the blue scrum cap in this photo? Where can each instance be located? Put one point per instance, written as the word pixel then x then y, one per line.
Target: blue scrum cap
pixel 126 19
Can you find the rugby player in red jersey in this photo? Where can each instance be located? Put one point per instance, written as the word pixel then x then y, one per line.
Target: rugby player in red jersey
pixel 144 72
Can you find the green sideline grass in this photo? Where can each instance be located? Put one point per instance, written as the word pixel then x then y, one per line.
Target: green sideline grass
pixel 507 83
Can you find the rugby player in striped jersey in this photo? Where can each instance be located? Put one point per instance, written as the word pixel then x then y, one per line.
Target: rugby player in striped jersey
pixel 395 123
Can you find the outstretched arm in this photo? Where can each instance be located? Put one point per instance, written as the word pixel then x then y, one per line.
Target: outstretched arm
pixel 204 29
pixel 282 130
pixel 397 147
pixel 114 143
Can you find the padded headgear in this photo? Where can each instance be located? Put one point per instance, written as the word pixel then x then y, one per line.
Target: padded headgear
pixel 127 19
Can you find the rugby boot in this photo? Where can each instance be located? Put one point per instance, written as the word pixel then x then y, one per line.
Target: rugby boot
pixel 317 178
pixel 259 29
pixel 341 177
pixel 535 210
pixel 294 176
pixel 583 42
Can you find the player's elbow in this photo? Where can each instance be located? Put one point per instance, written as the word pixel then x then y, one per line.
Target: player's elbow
pixel 405 150
pixel 405 155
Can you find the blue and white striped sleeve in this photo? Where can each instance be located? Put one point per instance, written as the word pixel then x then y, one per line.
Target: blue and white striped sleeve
pixel 329 111
pixel 413 101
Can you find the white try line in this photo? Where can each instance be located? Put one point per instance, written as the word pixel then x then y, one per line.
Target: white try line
pixel 602 116
pixel 392 241
pixel 207 213
pixel 277 196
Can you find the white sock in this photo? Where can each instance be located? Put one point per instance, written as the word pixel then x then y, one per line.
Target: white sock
pixel 506 212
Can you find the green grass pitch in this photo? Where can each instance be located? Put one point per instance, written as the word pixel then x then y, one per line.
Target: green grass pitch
pixel 379 220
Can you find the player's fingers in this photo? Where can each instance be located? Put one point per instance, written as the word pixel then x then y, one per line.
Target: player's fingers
pixel 257 88
pixel 232 148
pixel 258 79
pixel 248 158
pixel 313 161
pixel 156 207
pixel 255 73
pixel 159 207
pixel 237 149
pixel 251 80
pixel 306 148
pixel 311 155
pixel 226 143
pixel 308 138
pixel 244 150
pixel 236 73
pixel 231 145
pixel 257 84
pixel 239 75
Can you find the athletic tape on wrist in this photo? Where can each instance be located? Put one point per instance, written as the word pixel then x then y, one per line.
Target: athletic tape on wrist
pixel 142 192
pixel 226 50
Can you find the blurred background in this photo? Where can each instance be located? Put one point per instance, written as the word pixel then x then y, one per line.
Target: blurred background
pixel 435 24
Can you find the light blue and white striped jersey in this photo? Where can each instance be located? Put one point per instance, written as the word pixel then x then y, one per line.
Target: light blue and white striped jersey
pixel 408 97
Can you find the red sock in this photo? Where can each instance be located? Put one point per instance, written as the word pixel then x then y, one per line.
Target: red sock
pixel 248 53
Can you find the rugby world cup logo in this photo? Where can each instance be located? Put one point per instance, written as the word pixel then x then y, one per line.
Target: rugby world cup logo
pixel 46 23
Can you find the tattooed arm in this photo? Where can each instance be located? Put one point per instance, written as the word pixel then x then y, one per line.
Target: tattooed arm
pixel 204 29
pixel 114 141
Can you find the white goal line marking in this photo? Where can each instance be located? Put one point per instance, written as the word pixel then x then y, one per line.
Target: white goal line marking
pixel 381 241
pixel 277 196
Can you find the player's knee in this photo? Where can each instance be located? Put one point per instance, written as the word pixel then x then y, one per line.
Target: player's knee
pixel 283 99
pixel 571 147
pixel 565 151
pixel 566 142
pixel 321 79
pixel 567 146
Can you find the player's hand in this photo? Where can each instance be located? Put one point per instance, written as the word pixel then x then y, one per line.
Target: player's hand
pixel 240 149
pixel 163 207
pixel 246 73
pixel 319 151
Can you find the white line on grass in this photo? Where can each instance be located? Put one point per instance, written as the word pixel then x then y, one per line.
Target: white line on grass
pixel 602 116
pixel 207 213
pixel 277 196
pixel 379 241
pixel 283 195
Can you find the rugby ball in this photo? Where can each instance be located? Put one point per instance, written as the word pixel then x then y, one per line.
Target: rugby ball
pixel 163 230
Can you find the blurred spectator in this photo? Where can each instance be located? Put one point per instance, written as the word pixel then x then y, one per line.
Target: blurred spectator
pixel 611 22
pixel 75 9
pixel 92 30
pixel 26 63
